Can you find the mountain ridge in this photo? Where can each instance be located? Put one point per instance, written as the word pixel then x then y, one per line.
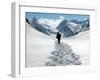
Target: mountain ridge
pixel 67 28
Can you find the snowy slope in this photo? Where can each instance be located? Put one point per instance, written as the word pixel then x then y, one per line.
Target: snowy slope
pixel 80 44
pixel 81 36
pixel 39 46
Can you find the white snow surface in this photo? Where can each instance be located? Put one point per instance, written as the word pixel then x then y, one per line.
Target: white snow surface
pixel 50 22
pixel 74 27
pixel 39 46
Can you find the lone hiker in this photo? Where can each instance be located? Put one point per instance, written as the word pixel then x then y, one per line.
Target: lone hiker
pixel 58 37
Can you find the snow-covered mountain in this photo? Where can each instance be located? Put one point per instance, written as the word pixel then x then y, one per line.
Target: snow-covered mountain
pixel 44 28
pixel 73 27
pixel 67 28
pixel 63 28
pixel 53 23
pixel 83 24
